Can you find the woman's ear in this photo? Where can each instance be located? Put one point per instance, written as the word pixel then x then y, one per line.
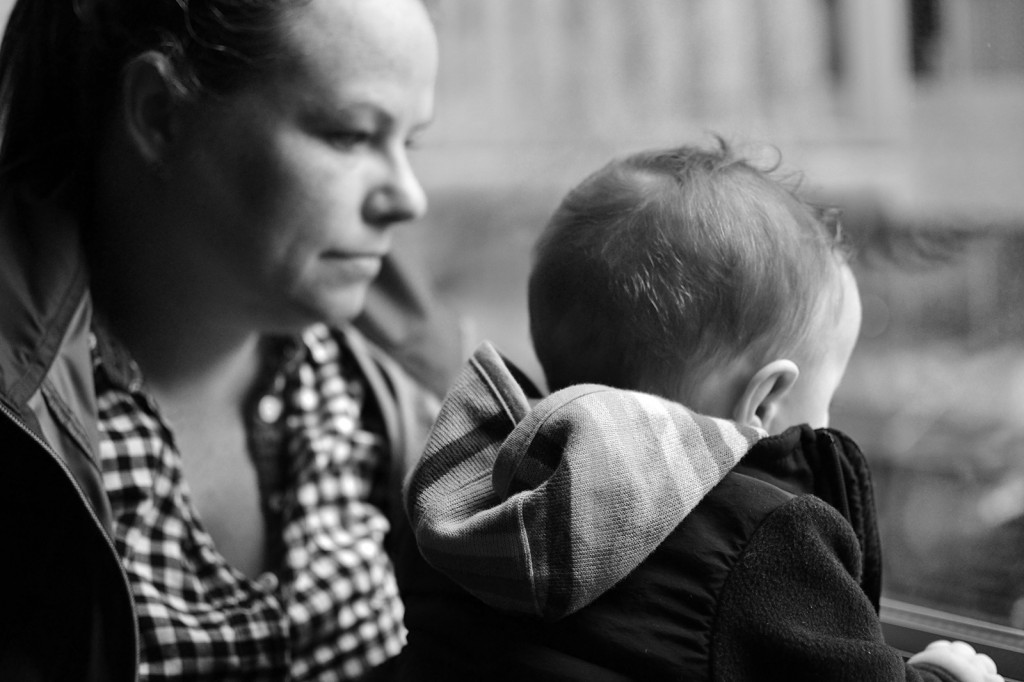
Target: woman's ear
pixel 150 106
pixel 759 403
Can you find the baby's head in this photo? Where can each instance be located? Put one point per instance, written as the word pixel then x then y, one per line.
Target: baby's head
pixel 695 275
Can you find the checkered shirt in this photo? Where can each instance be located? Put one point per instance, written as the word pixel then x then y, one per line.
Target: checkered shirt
pixel 331 610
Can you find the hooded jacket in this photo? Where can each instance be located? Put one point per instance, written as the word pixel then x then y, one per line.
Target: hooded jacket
pixel 66 612
pixel 601 534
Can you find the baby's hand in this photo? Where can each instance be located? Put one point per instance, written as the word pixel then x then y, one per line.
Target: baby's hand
pixel 961 659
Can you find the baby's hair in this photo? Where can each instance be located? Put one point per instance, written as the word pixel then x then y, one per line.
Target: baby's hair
pixel 665 263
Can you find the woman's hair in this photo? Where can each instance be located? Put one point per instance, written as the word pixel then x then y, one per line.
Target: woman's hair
pixel 61 63
pixel 665 263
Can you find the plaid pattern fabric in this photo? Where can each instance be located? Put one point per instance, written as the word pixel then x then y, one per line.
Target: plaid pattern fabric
pixel 541 510
pixel 332 611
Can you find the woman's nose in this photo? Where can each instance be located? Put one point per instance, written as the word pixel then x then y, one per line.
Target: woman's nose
pixel 399 198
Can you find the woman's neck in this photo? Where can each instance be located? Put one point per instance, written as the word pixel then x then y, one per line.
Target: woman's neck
pixel 182 340
pixel 191 358
pixel 182 333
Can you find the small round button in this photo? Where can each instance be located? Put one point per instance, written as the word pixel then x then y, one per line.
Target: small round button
pixel 270 581
pixel 269 409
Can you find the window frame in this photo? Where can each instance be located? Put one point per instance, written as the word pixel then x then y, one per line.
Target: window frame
pixel 909 628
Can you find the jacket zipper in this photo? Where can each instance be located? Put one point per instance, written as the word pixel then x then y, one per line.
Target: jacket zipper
pixel 6 411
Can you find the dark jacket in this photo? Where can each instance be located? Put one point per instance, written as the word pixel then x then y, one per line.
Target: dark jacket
pixel 66 612
pixel 773 575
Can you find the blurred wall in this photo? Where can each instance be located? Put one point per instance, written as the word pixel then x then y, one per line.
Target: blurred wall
pixel 543 90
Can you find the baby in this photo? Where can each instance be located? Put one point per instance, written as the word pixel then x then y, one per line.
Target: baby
pixel 676 508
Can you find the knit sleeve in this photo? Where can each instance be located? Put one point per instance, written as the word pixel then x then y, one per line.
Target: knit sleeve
pixel 792 608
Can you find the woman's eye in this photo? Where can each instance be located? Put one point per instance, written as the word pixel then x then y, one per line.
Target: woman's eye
pixel 350 138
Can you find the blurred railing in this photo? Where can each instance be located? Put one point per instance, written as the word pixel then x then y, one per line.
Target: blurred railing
pixel 568 70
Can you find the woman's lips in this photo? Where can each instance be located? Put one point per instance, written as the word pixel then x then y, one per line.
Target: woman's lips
pixel 354 266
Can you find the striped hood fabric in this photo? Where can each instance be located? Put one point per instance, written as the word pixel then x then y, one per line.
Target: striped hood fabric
pixel 539 509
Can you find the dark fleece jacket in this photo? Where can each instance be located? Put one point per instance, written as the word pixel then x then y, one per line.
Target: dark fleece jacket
pixel 773 575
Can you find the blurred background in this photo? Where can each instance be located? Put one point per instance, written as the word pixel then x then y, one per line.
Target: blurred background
pixel 908 114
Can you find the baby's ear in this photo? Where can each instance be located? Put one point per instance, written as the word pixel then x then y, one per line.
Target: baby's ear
pixel 759 403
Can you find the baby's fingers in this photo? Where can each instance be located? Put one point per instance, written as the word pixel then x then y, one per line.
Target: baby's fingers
pixel 986 664
pixel 960 659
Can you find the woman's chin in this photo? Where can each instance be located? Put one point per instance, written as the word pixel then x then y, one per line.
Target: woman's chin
pixel 340 306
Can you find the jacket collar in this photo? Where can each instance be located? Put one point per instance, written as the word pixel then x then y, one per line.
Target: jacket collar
pixel 43 281
pixel 828 464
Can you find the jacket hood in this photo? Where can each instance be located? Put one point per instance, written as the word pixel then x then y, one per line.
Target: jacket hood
pixel 536 509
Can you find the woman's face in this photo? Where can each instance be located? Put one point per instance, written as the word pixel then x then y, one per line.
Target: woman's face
pixel 288 190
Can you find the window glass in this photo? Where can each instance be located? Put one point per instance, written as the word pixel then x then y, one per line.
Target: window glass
pixel 934 396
